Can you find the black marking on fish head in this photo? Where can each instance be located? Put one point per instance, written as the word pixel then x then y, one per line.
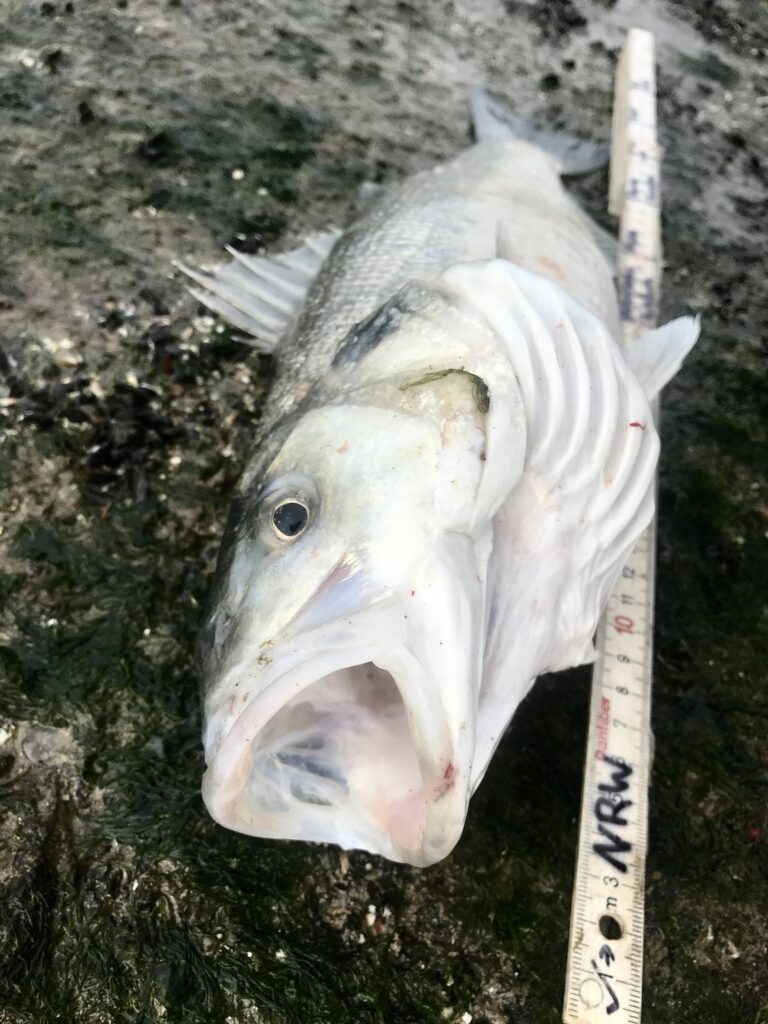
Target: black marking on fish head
pixel 368 334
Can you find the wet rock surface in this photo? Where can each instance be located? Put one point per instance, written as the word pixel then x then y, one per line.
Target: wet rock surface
pixel 142 131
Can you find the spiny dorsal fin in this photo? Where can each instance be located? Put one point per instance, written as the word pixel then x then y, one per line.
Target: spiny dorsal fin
pixel 262 296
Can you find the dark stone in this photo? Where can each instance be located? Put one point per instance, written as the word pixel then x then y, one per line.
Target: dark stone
pixel 85 112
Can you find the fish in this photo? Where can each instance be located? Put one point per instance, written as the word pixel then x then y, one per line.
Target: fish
pixel 452 466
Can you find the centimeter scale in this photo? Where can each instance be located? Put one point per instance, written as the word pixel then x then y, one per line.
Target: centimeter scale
pixel 605 954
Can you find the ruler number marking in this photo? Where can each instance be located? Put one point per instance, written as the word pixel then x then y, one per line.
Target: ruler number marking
pixel 623 624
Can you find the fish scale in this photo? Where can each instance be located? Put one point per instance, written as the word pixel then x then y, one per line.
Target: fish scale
pixel 429 222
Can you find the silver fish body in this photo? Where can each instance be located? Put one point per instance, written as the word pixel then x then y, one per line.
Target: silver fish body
pixel 446 482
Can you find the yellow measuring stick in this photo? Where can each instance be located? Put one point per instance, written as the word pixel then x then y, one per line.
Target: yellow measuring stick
pixel 605 953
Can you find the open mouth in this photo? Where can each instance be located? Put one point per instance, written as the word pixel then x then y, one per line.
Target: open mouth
pixel 347 758
pixel 360 757
pixel 341 754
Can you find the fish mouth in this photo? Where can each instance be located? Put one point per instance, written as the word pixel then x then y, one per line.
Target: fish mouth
pixel 334 736
pixel 348 757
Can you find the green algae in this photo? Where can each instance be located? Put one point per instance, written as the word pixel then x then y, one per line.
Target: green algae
pixel 480 391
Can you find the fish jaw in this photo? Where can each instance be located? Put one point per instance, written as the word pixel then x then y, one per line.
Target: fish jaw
pixel 358 732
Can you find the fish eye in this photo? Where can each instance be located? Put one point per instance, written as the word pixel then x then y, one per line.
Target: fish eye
pixel 290 519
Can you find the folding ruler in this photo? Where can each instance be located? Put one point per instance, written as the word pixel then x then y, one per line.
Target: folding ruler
pixel 605 955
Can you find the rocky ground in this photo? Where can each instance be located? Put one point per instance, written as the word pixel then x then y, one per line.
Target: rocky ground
pixel 135 132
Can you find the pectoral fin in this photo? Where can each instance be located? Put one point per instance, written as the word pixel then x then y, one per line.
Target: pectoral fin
pixel 657 356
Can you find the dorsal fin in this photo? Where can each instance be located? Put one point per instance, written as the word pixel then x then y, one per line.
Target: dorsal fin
pixel 262 296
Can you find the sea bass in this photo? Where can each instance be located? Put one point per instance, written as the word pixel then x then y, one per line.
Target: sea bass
pixel 454 463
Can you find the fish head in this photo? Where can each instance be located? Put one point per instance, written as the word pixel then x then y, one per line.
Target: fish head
pixel 342 654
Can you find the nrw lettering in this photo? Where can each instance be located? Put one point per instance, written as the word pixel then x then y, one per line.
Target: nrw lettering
pixel 618 783
pixel 609 811
pixel 611 851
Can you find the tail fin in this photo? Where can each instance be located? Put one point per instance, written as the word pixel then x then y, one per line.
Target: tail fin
pixel 494 120
pixel 657 356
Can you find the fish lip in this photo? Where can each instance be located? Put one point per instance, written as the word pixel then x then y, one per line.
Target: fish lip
pixel 445 783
